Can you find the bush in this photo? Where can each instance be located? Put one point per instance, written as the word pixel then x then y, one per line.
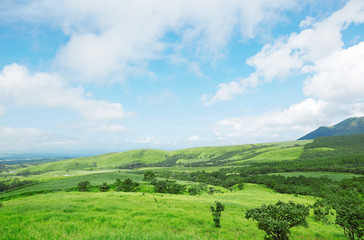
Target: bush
pixel 126 186
pixel 276 220
pixel 321 210
pixel 104 187
pixel 149 176
pixel 167 186
pixel 1 205
pixel 216 213
pixel 84 186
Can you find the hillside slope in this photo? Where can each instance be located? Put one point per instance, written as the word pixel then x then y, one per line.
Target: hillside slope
pixel 192 157
pixel 349 126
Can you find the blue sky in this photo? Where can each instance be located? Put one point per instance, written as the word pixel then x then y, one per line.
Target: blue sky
pixel 99 76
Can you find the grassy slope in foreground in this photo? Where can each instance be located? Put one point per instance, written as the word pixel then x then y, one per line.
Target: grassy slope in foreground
pixel 115 215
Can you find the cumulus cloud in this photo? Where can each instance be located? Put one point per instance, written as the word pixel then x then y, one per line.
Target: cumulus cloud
pixel 334 85
pixel 115 38
pixel 50 90
pixel 298 53
pixel 298 118
pixel 339 77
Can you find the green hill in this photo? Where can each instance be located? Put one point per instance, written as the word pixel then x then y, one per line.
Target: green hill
pixel 191 157
pixel 347 127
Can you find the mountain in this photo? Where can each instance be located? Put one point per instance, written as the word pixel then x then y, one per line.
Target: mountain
pixel 349 126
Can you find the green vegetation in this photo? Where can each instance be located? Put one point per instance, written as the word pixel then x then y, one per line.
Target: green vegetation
pixel 337 176
pixel 167 194
pixel 119 215
pixel 276 220
pixel 216 213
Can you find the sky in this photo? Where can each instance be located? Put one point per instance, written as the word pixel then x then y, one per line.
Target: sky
pixel 101 76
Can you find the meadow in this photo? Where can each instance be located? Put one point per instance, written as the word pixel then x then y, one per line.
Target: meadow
pixel 119 215
pixel 51 206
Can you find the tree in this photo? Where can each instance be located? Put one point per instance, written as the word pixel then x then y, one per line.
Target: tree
pixel 216 213
pixel 276 220
pixel 149 176
pixel 84 186
pixel 104 187
pixel 321 210
pixel 167 186
pixel 126 186
pixel 351 218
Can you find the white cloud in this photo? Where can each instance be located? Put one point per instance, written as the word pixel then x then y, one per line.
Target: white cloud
pixel 300 118
pixel 50 90
pixel 116 38
pixel 20 138
pixel 194 139
pixel 339 77
pixel 227 91
pixel 110 128
pixel 296 53
pixel 308 22
pixel 150 140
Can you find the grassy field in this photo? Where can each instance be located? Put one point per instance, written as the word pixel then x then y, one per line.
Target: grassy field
pixel 70 182
pixel 262 152
pixel 332 175
pixel 114 215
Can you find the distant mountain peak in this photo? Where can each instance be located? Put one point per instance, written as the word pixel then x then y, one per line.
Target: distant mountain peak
pixel 353 125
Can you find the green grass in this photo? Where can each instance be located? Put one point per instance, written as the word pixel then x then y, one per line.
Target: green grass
pixel 114 215
pixel 70 182
pixel 331 175
pixel 267 151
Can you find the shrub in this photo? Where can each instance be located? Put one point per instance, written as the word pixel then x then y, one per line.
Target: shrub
pixel 149 176
pixel 216 213
pixel 321 210
pixel 1 205
pixel 126 186
pixel 84 186
pixel 104 187
pixel 276 220
pixel 167 186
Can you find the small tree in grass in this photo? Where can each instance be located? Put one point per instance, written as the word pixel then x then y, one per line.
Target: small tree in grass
pixel 84 186
pixel 104 187
pixel 216 213
pixel 149 176
pixel 126 186
pixel 276 220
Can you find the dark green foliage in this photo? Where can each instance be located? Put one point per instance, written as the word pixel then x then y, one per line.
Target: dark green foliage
pixel 321 210
pixel 350 216
pixel 216 213
pixel 167 186
pixel 9 185
pixel 126 186
pixel 276 220
pixel 84 186
pixel 193 190
pixel 149 176
pixel 104 187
